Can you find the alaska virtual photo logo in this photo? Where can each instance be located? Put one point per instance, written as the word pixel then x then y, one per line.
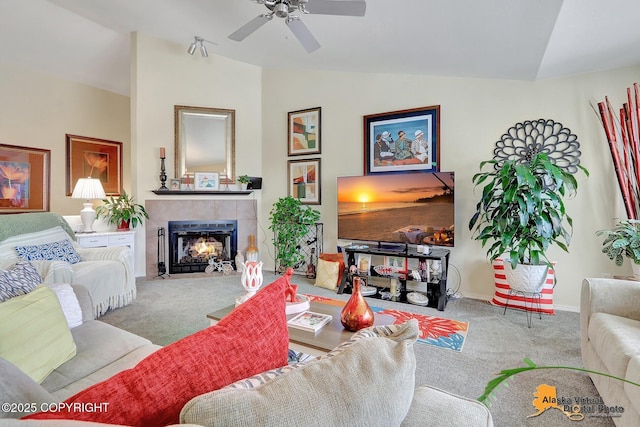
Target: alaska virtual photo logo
pixel 545 397
pixel 575 408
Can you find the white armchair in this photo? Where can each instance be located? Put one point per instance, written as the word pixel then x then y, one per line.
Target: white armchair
pixel 106 272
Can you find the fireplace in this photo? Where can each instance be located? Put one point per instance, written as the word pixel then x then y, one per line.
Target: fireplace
pixel 192 244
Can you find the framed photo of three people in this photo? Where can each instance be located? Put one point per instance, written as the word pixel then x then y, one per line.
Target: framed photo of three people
pixel 402 141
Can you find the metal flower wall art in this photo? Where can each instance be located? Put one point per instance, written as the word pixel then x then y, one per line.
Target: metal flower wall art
pixel 524 140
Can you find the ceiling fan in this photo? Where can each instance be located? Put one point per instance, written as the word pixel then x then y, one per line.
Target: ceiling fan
pixel 287 9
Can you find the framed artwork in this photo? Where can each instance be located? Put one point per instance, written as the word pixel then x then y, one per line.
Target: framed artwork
pixel 304 131
pixel 174 184
pixel 94 158
pixel 402 141
pixel 24 179
pixel 207 181
pixel 304 180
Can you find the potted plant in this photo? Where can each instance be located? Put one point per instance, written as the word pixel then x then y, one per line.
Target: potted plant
pixel 623 240
pixel 122 211
pixel 244 181
pixel 290 222
pixel 522 213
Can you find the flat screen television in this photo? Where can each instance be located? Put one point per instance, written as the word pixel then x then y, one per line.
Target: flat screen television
pixel 409 208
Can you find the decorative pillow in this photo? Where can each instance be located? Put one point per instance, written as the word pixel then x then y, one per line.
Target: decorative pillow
pixel 251 339
pixel 18 387
pixel 518 301
pixel 369 381
pixel 327 274
pixel 20 279
pixel 69 303
pixel 335 258
pixel 61 250
pixel 8 246
pixel 264 377
pixel 34 334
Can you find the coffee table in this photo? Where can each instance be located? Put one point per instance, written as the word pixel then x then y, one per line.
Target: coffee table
pixel 316 344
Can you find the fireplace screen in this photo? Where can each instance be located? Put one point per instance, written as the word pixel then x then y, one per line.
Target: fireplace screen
pixel 192 244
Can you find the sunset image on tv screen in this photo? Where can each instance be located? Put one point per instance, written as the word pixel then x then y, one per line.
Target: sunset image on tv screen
pixel 416 208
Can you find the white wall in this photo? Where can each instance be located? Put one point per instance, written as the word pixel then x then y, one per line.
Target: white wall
pixel 474 115
pixel 37 110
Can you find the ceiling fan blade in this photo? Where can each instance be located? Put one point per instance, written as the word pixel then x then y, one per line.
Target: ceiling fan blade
pixel 303 34
pixel 248 28
pixel 332 7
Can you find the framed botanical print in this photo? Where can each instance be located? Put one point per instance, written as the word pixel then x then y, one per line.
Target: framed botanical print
pixel 304 180
pixel 304 131
pixel 94 158
pixel 402 141
pixel 24 179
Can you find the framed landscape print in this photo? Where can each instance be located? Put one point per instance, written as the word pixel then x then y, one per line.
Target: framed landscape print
pixel 402 141
pixel 207 181
pixel 304 180
pixel 94 158
pixel 24 179
pixel 304 132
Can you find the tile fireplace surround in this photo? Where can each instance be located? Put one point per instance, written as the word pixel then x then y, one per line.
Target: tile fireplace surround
pixel 163 211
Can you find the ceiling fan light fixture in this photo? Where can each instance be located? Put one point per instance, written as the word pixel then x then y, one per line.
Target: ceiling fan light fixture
pixel 281 9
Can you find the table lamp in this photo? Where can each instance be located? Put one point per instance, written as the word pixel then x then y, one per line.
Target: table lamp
pixel 87 189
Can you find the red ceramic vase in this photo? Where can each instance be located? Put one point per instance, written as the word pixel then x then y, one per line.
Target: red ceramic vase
pixel 356 314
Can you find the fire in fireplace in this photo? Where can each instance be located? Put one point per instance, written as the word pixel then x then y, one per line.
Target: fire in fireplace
pixel 192 244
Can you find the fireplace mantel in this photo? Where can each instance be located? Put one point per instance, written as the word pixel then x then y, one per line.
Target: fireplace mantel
pixel 201 192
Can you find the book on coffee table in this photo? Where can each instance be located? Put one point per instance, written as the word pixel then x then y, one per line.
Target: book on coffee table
pixel 309 321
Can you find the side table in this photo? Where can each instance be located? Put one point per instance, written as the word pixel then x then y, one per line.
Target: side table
pixel 107 239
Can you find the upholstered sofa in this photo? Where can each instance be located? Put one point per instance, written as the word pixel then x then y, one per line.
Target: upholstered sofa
pixel 235 373
pixel 610 343
pixel 106 272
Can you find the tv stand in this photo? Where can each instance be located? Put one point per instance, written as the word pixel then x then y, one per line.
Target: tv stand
pixel 398 248
pixel 436 289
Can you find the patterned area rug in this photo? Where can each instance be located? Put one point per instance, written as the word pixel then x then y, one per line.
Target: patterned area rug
pixel 436 331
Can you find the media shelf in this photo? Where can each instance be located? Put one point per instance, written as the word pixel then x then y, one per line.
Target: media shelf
pixel 434 287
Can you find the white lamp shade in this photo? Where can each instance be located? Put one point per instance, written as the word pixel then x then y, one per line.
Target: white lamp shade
pixel 87 189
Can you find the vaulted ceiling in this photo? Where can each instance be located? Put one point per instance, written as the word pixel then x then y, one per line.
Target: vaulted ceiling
pixel 88 40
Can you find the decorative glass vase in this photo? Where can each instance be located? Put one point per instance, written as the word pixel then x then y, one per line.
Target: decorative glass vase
pixel 356 314
pixel 252 253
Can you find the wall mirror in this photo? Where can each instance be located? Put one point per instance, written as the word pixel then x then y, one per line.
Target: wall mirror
pixel 205 141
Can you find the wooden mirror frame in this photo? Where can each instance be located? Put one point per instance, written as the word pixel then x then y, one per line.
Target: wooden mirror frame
pixel 194 137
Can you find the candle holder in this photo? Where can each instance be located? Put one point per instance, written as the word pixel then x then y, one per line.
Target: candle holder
pixel 163 176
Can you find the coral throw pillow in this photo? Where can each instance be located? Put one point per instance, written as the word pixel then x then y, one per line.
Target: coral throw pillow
pixel 519 301
pixel 251 339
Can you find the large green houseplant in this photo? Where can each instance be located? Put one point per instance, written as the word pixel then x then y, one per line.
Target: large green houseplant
pixel 122 211
pixel 290 222
pixel 623 241
pixel 521 212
